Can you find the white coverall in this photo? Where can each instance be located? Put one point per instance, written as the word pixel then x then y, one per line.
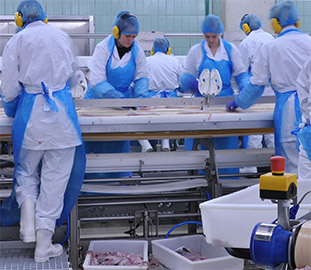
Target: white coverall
pixel 280 62
pixel 304 93
pixel 249 48
pixel 42 53
pixel 163 71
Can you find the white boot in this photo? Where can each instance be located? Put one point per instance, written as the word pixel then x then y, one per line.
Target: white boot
pixel 44 247
pixel 27 224
pixel 145 146
pixel 165 145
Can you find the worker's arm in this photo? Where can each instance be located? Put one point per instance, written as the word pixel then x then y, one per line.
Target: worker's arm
pixel 11 87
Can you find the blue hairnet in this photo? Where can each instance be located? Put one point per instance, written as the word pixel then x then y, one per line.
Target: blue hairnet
pixel 160 44
pixel 253 21
pixel 212 24
pixel 285 12
pixel 127 23
pixel 31 11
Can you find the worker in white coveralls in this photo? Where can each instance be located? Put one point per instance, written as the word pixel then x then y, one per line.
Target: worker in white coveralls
pixel 250 46
pixel 118 69
pixel 49 157
pixel 279 63
pixel 304 128
pixel 217 56
pixel 164 70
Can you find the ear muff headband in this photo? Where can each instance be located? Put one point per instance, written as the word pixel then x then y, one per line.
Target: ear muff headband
pixel 19 19
pixel 276 26
pixel 246 28
pixel 168 52
pixel 116 30
pixel 298 23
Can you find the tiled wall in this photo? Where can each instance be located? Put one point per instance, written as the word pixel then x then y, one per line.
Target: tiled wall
pixel 168 16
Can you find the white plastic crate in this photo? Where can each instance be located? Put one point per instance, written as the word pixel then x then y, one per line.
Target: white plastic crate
pixel 139 247
pixel 217 258
pixel 228 221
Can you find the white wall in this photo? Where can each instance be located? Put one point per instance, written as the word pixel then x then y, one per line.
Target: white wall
pixel 236 9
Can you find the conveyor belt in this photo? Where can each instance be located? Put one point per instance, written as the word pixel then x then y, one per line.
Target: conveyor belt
pixel 165 122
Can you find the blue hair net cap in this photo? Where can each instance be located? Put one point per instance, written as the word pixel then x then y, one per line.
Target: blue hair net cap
pixel 286 12
pixel 127 23
pixel 253 21
pixel 160 44
pixel 212 24
pixel 31 11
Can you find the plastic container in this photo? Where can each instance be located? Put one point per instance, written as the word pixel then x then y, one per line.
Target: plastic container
pixel 139 247
pixel 217 258
pixel 228 221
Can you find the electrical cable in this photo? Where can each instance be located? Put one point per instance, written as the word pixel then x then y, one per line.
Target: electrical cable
pixel 183 223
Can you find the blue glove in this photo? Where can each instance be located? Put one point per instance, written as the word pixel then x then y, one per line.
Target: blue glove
pixel 231 106
pixel 10 108
pixel 241 80
pixel 103 90
pixel 141 88
pixel 188 83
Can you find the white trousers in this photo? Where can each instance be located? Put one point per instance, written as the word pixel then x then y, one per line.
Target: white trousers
pixel 42 176
pixel 304 165
pixel 255 141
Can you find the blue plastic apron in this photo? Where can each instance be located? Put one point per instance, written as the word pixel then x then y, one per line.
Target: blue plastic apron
pixel 120 78
pixel 10 213
pixel 225 70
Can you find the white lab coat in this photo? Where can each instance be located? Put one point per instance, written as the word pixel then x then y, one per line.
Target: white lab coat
pixel 42 53
pixel 100 59
pixel 163 72
pixel 194 58
pixel 280 62
pixel 304 93
pixel 27 59
pixel 249 48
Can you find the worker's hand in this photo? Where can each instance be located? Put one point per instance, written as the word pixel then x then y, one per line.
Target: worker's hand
pixel 231 106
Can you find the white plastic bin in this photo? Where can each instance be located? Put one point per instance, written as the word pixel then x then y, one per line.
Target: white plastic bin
pixel 139 247
pixel 228 221
pixel 217 258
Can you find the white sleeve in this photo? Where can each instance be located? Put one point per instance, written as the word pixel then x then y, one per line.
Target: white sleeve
pixel 141 65
pixel 193 60
pixel 236 58
pixel 303 89
pixel 243 48
pixel 11 87
pixel 98 63
pixel 260 70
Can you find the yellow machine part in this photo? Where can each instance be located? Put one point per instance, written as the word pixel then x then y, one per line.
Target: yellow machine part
pixel 272 182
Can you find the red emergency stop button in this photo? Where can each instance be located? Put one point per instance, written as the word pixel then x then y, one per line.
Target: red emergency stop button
pixel 277 164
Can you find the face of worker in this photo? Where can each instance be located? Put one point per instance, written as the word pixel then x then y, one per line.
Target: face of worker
pixel 126 40
pixel 212 39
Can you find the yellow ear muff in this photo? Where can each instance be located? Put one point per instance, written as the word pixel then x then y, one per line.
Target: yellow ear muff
pixel 151 51
pixel 298 23
pixel 246 28
pixel 116 32
pixel 276 26
pixel 169 51
pixel 19 19
pixel 46 20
